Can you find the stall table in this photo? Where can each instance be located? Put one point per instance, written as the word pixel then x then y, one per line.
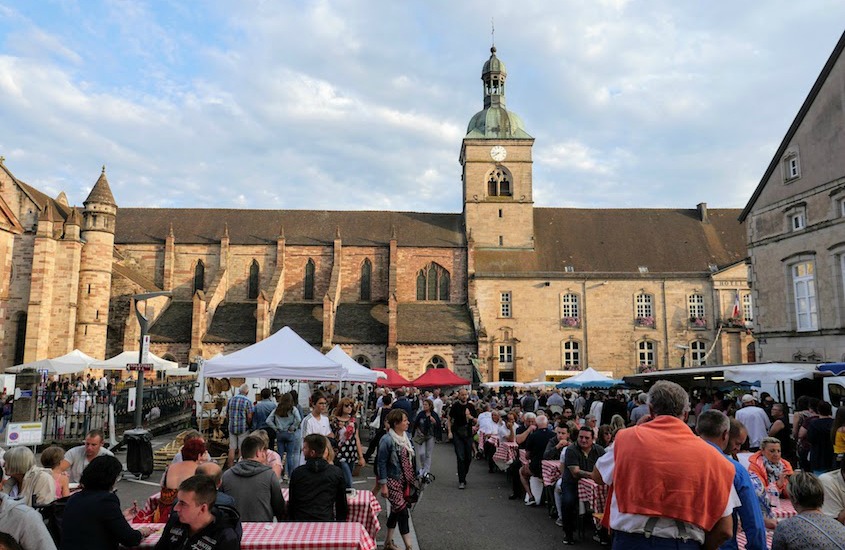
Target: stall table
pixel 292 536
pixel 364 508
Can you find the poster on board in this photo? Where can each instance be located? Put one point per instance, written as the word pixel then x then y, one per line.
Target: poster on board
pixel 24 433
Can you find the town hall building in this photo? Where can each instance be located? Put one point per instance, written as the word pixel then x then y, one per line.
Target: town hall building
pixel 504 288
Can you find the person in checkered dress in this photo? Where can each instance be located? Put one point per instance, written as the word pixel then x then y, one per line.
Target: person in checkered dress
pixel 396 473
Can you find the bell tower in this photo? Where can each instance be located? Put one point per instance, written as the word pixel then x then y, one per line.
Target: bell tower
pixel 497 164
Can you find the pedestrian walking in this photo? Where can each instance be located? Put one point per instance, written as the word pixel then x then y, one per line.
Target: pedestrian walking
pixel 462 416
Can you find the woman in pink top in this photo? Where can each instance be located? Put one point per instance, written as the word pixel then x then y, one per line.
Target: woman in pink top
pixel 51 458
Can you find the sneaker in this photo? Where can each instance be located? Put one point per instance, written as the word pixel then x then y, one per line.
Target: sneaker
pixel 528 498
pixel 531 502
pixel 559 522
pixel 462 485
pixel 568 540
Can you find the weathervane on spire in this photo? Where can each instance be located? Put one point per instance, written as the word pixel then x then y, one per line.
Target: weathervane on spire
pixel 492 33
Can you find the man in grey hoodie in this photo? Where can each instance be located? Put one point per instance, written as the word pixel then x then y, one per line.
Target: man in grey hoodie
pixel 24 524
pixel 253 484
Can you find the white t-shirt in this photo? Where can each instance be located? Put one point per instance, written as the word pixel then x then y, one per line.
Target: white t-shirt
pixel 834 493
pixel 438 406
pixel 311 425
pixel 665 527
pixel 79 462
pixel 756 422
pixel 80 402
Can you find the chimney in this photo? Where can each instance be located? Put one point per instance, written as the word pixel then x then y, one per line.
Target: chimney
pixel 702 212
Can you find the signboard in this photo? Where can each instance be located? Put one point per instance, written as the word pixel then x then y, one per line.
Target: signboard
pixel 132 394
pixel 24 433
pixel 145 348
pixel 139 366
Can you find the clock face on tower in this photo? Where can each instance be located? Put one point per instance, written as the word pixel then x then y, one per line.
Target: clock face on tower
pixel 498 153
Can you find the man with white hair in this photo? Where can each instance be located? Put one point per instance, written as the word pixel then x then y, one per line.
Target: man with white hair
pixel 640 410
pixel 691 506
pixel 239 410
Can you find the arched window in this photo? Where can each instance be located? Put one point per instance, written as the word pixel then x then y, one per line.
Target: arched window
pixel 433 283
pixel 363 360
pixel 199 276
pixel 308 292
pixel 252 285
pixel 698 349
pixel 751 353
pixel 366 276
pixel 571 353
pixel 646 357
pixel 436 362
pixel 499 183
pixel 169 357
pixel 20 338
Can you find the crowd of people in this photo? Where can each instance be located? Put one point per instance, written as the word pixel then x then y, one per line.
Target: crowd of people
pixel 689 470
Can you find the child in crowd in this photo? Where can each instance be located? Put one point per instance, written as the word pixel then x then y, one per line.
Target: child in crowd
pixel 51 458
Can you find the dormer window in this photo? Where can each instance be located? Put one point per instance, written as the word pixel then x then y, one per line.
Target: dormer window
pixel 791 167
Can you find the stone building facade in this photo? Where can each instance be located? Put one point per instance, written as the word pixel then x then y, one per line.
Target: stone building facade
pixel 795 223
pixel 518 292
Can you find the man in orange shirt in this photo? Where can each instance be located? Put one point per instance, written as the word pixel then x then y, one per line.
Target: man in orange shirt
pixel 668 486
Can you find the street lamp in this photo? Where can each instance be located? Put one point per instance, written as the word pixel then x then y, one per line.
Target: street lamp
pixel 139 384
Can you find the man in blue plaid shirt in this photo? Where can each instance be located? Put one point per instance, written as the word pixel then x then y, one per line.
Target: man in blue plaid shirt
pixel 239 410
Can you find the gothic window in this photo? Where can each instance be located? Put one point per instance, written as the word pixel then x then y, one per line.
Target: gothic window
pixel 363 360
pixel 308 292
pixel 436 362
pixel 20 338
pixel 252 286
pixel 433 283
pixel 499 183
pixel 199 276
pixel 366 273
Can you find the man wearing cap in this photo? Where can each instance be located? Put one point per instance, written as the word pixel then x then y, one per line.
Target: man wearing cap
pixel 755 420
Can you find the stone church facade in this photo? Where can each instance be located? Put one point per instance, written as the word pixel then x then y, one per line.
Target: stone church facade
pixel 517 291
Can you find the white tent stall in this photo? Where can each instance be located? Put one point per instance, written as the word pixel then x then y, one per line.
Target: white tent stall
pixel 353 371
pixel 70 363
pixel 119 362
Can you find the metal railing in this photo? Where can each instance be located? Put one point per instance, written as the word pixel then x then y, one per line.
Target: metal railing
pixel 66 419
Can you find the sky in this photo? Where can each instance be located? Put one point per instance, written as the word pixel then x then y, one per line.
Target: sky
pixel 362 105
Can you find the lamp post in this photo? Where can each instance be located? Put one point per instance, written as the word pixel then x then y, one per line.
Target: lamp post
pixel 142 355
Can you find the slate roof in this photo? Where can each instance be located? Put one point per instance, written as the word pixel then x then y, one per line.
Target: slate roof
pixel 301 227
pixel 304 319
pixel 622 240
pixel 233 323
pixel 174 325
pixel 433 323
pixel 101 192
pixel 361 324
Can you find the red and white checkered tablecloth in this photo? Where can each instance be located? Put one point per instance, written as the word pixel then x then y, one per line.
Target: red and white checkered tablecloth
pixel 293 536
pixel 593 494
pixel 551 471
pixel 506 452
pixel 784 510
pixel 741 540
pixel 364 508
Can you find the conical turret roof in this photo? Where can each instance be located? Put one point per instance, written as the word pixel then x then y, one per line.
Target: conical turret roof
pixel 101 192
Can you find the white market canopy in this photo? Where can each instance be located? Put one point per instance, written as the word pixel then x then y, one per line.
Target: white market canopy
pixel 283 355
pixel 119 362
pixel 70 363
pixel 353 371
pixel 590 378
pixel 770 373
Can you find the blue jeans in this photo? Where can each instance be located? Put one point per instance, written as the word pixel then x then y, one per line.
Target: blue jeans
pixel 347 472
pixel 289 442
pixel 628 541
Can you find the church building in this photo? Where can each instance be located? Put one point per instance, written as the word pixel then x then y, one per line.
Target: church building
pixel 503 288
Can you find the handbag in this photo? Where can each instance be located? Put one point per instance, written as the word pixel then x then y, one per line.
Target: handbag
pixel 420 438
pixel 376 422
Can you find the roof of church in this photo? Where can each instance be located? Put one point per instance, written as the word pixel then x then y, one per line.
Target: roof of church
pixel 101 192
pixel 621 241
pixel 233 323
pixel 134 276
pixel 304 319
pixel 434 323
pixel 361 323
pixel 174 325
pixel 8 220
pixel 301 227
